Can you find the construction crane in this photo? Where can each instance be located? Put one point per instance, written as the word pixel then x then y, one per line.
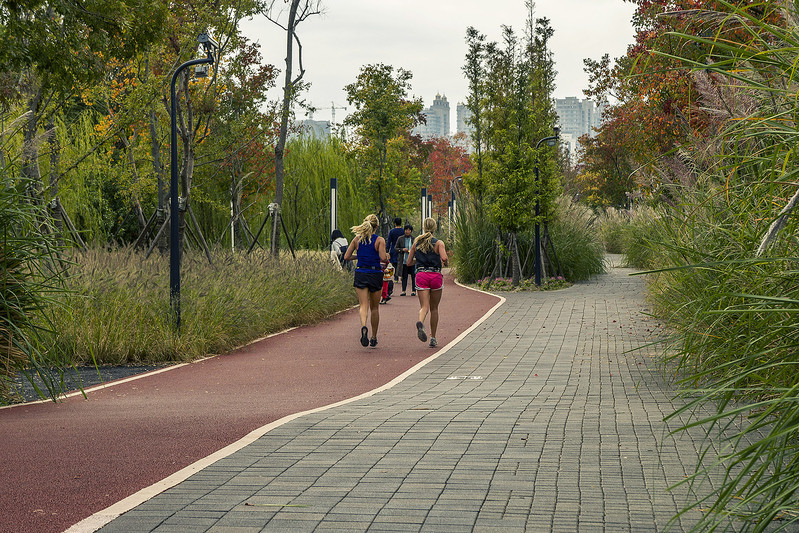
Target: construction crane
pixel 332 107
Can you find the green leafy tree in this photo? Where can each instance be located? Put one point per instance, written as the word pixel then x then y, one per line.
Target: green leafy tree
pixel 383 111
pixel 518 112
pixel 474 71
pixel 57 48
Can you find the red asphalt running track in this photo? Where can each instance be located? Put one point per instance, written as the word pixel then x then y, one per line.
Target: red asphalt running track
pixel 62 462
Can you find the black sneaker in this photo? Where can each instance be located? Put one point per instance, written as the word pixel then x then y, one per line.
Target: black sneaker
pixel 373 342
pixel 364 336
pixel 420 332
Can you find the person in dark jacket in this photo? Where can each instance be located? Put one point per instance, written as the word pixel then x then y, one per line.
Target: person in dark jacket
pixel 391 241
pixel 368 279
pixel 428 254
pixel 403 246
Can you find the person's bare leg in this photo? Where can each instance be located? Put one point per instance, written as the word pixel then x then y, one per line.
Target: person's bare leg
pixel 424 303
pixel 374 304
pixel 363 304
pixel 435 298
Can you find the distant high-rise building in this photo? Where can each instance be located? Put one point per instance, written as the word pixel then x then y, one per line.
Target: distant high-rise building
pixel 316 128
pixel 577 118
pixel 464 114
pixel 463 126
pixel 437 117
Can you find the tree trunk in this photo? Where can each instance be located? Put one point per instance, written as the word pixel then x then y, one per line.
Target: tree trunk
pixel 30 148
pixel 132 160
pixel 383 214
pixel 55 150
pixel 158 168
pixel 288 89
pixel 516 268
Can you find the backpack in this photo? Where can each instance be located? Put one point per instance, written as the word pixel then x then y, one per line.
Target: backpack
pixel 347 265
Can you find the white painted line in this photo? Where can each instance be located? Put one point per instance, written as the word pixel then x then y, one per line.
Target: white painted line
pixel 101 518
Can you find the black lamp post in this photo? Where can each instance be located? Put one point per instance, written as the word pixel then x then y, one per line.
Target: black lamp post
pixel 551 141
pixel 210 46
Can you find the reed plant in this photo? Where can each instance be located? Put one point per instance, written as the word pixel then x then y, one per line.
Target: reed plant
pixel 611 225
pixel 30 282
pixel 729 268
pixel 736 348
pixel 641 237
pixel 117 310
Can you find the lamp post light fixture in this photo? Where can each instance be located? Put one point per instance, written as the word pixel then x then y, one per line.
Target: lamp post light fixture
pixel 551 141
pixel 423 206
pixel 210 46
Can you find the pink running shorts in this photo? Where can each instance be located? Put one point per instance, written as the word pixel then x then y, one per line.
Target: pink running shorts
pixel 429 281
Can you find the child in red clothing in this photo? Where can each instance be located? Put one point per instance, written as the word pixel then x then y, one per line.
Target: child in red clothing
pixel 388 277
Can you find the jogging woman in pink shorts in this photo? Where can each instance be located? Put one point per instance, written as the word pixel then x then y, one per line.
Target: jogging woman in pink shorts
pixel 428 254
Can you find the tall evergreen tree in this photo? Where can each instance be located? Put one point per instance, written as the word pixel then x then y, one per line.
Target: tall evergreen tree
pixel 383 111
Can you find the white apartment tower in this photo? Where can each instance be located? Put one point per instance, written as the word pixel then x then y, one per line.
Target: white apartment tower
pixel 577 118
pixel 437 116
pixel 464 114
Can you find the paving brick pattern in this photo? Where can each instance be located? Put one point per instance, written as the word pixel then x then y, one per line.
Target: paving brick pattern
pixel 542 419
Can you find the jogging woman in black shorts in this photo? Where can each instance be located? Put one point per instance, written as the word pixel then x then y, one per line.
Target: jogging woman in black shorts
pixel 371 255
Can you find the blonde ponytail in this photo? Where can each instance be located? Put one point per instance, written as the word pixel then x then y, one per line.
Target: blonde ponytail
pixel 366 229
pixel 423 241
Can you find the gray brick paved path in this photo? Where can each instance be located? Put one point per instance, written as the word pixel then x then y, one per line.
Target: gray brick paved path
pixel 539 420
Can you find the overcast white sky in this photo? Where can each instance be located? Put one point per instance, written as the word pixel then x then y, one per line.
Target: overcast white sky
pixel 426 37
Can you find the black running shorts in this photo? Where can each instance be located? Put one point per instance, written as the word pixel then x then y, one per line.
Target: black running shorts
pixel 369 280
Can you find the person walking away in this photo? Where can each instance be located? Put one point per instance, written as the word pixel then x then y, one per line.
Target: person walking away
pixel 368 279
pixel 388 274
pixel 428 254
pixel 391 247
pixel 403 247
pixel 338 245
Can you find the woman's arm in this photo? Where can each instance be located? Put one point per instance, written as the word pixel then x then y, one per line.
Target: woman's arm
pixel 411 256
pixel 442 252
pixel 380 245
pixel 349 253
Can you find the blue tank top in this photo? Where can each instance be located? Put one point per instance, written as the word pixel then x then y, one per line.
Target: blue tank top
pixel 368 258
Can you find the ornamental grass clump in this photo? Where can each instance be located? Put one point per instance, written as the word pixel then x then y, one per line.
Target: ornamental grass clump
pixel 118 309
pixel 31 278
pixel 641 237
pixel 579 251
pixel 728 266
pixel 611 225
pixel 572 246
